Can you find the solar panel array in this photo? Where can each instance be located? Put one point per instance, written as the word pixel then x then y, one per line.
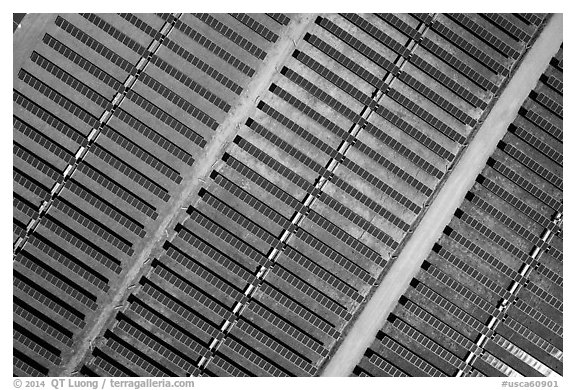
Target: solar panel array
pixel 488 299
pixel 110 114
pixel 324 181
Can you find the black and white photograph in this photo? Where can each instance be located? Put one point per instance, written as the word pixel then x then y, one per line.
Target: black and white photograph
pixel 366 195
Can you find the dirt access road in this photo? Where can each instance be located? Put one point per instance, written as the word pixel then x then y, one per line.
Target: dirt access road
pixel 450 197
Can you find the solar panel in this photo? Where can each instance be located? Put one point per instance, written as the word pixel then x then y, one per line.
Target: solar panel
pixel 358 45
pixel 46 301
pixel 115 33
pixel 232 35
pixel 194 324
pixel 533 165
pixel 401 25
pixel 141 154
pixel 258 28
pixel 42 250
pixel 430 345
pixel 265 184
pixel 294 285
pixel 197 299
pixel 319 273
pixel 531 18
pixel 190 83
pixel 447 81
pixel 345 238
pixel 212 47
pixel 21 338
pixel 35 321
pixel 93 44
pixel 368 202
pixel 459 65
pixel 274 165
pixel 529 335
pixel 496 238
pixel 334 256
pixel 333 78
pixel 386 368
pixel 50 119
pixel 166 119
pixel 179 101
pixel 550 275
pixel 300 131
pixel 201 65
pixel 464 292
pixel 131 173
pixel 24 207
pixel 280 18
pixel 223 368
pixel 378 34
pixel 143 26
pixel 241 220
pixel 336 180
pixel 545 296
pixel 36 162
pixel 155 137
pixel 227 237
pixel 427 117
pixel 301 312
pixel 554 80
pixel 395 145
pixel 152 344
pixel 228 264
pixel 88 248
pixel 58 98
pixel 237 352
pixel 82 62
pixel 486 35
pixel 141 314
pixel 438 325
pixel 518 204
pixel 526 185
pixel 544 124
pixel 550 103
pixel 253 202
pixel 487 257
pixel 293 333
pixel 539 317
pixel 507 221
pixel 110 369
pixel 537 143
pixel 104 207
pixel 469 48
pixel 505 23
pixel 86 221
pixel 113 187
pixel 202 273
pixel 22 368
pixel 407 356
pixel 323 96
pixel 450 308
pixel 58 281
pixel 246 331
pixel 345 61
pixel 424 18
pixel 39 138
pixel 70 80
pixel 136 360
